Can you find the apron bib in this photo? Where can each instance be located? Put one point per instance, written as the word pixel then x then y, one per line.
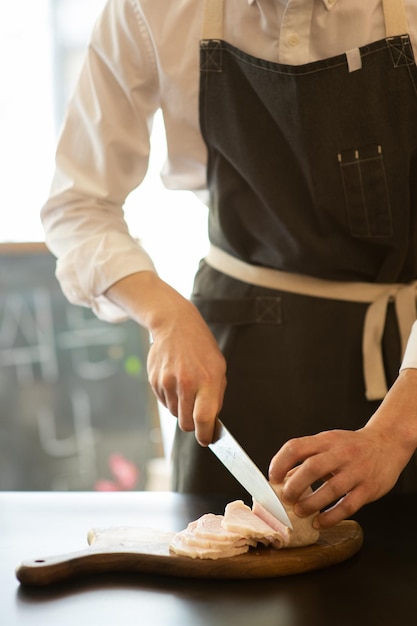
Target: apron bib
pixel 302 180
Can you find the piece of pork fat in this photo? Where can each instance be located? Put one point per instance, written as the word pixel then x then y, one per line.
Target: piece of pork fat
pixel 206 538
pixel 181 548
pixel 242 520
pixel 302 534
pixel 209 527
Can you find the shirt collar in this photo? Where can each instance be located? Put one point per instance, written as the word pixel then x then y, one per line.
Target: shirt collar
pixel 329 4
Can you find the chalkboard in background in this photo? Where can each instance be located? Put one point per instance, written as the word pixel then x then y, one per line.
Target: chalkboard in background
pixel 76 410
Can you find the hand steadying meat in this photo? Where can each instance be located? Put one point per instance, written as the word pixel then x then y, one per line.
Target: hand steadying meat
pixel 185 366
pixel 357 467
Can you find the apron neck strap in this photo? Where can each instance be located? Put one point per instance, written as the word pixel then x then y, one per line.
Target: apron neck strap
pixel 395 18
pixel 394 14
pixel 213 20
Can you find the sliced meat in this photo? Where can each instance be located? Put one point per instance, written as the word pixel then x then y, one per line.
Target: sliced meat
pixel 303 532
pixel 220 536
pixel 272 521
pixel 240 519
pixel 208 531
pixel 206 538
pixel 210 526
pixel 181 548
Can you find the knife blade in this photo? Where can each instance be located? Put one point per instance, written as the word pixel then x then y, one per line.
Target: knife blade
pixel 241 466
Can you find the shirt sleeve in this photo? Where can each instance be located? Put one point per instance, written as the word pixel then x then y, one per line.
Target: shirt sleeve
pixel 102 155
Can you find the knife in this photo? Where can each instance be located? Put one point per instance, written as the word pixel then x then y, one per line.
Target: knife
pixel 241 466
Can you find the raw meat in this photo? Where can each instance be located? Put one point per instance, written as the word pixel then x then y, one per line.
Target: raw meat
pixel 220 536
pixel 303 532
pixel 209 530
pixel 239 518
pixel 206 538
pixel 178 546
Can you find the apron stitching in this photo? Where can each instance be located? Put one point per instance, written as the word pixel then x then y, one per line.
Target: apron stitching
pixel 412 69
pixel 339 61
pixel 401 52
pixel 360 160
pixel 363 196
pixel 354 161
pixel 291 70
pixel 389 207
pixel 268 310
pixel 212 56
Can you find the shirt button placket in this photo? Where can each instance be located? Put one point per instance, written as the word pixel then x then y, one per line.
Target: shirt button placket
pixel 295 32
pixel 293 40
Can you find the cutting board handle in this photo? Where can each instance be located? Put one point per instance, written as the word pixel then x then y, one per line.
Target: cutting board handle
pixel 55 569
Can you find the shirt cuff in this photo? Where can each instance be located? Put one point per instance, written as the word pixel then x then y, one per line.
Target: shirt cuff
pixel 88 270
pixel 410 354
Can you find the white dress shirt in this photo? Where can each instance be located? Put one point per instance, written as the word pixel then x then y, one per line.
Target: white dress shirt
pixel 144 56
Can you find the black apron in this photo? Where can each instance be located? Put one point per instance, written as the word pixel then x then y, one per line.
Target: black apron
pixel 311 169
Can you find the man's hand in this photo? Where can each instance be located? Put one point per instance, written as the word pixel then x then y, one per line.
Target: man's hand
pixel 355 467
pixel 186 369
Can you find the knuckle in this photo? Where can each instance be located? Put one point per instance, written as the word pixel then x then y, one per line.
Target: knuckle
pixel 290 447
pixel 334 489
pixel 339 485
pixel 172 405
pixel 185 381
pixel 313 466
pixel 348 506
pixel 203 419
pixel 165 380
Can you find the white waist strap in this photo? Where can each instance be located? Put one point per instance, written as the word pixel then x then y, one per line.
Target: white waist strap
pixel 377 295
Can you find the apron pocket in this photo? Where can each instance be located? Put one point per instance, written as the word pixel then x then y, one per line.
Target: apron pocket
pixel 366 192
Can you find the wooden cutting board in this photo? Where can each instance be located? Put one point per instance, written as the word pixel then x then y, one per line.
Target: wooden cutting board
pixel 146 551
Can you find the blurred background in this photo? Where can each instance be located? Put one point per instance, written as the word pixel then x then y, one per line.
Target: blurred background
pixel 76 411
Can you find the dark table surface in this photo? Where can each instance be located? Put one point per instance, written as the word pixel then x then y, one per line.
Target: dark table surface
pixel 378 586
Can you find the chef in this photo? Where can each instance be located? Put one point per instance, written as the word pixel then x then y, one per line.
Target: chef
pixel 299 117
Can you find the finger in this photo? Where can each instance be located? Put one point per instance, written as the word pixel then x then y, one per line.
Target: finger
pixel 185 412
pixel 343 509
pixel 163 385
pixel 198 412
pixel 169 400
pixel 335 488
pixel 309 472
pixel 160 395
pixel 204 415
pixel 291 454
pixel 159 391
